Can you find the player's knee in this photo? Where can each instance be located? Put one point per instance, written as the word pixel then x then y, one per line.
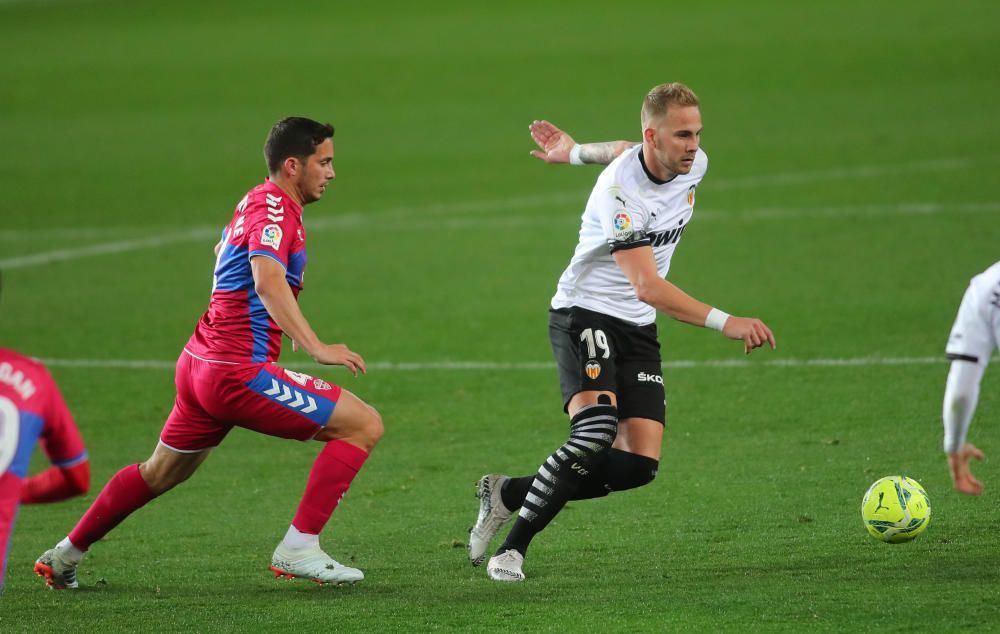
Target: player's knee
pixel 363 430
pixel 373 428
pixel 593 428
pixel 630 471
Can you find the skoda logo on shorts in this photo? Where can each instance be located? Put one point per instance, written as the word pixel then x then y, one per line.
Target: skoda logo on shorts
pixel 593 369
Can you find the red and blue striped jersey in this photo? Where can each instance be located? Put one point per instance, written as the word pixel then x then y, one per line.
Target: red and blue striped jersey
pixel 237 328
pixel 32 410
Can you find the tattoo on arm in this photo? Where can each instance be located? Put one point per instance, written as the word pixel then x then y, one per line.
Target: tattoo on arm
pixel 603 153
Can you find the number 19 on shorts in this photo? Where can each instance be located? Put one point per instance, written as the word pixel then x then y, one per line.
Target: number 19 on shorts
pixel 596 339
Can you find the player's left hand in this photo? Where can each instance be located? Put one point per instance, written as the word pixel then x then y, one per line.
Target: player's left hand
pixel 555 143
pixel 961 475
pixel 751 330
pixel 339 354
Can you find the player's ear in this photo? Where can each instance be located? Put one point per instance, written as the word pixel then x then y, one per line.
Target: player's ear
pixel 291 165
pixel 649 135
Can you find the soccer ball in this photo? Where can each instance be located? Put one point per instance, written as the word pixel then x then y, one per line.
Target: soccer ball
pixel 896 509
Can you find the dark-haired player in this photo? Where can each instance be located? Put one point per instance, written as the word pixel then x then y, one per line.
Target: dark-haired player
pixel 602 324
pixel 226 375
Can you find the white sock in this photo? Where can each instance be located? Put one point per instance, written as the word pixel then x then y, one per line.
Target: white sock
pixel 70 552
pixel 297 540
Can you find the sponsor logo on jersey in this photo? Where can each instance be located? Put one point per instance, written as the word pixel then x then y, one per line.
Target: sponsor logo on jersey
pixel 270 236
pixel 691 194
pixel 320 384
pixel 593 369
pixel 623 225
pixel 298 377
pixel 670 236
pixel 650 378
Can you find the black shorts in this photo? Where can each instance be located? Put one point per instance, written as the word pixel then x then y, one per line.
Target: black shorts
pixel 599 352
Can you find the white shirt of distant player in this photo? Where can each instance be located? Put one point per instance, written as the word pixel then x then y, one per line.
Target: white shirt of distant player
pixel 626 204
pixel 976 332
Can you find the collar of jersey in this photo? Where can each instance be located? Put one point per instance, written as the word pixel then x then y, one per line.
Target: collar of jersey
pixel 651 176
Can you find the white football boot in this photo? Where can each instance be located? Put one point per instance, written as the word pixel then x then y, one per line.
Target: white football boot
pixel 312 564
pixel 506 566
pixel 59 572
pixel 492 515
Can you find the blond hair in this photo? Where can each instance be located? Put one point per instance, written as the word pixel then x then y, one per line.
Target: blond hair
pixel 655 105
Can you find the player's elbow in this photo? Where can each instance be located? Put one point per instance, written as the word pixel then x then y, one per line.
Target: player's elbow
pixel 957 405
pixel 262 289
pixel 644 291
pixel 78 478
pixel 83 486
pixel 621 146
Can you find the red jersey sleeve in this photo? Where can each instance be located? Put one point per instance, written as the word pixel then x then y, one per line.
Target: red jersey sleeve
pixel 273 227
pixel 60 439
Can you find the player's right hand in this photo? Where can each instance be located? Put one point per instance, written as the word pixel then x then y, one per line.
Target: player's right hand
pixel 751 330
pixel 340 354
pixel 961 474
pixel 554 143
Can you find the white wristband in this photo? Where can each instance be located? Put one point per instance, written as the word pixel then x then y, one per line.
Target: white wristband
pixel 716 319
pixel 574 155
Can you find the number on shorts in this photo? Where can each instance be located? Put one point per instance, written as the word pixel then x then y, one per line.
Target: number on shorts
pixel 596 339
pixel 10 428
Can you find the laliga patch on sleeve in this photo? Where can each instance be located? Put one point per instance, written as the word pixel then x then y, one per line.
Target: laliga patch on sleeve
pixel 623 225
pixel 270 236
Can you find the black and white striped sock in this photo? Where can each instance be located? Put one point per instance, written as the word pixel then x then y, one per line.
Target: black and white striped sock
pixel 592 430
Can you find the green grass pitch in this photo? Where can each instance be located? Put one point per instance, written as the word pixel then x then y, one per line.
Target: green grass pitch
pixel 852 192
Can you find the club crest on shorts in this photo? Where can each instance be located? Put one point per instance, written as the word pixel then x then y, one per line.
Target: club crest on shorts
pixel 623 225
pixel 320 384
pixel 593 369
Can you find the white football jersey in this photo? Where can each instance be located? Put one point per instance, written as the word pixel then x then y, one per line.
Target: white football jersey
pixel 977 327
pixel 628 208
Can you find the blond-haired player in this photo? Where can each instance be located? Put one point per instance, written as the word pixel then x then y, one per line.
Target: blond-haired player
pixel 602 323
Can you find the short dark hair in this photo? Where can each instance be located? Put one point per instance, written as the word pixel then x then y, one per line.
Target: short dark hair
pixel 294 136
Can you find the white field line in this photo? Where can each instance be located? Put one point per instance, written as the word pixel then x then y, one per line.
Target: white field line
pixel 709 215
pixel 860 171
pixel 405 366
pixel 426 216
pixel 356 219
pixel 104 248
pixel 838 211
pixel 517 202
